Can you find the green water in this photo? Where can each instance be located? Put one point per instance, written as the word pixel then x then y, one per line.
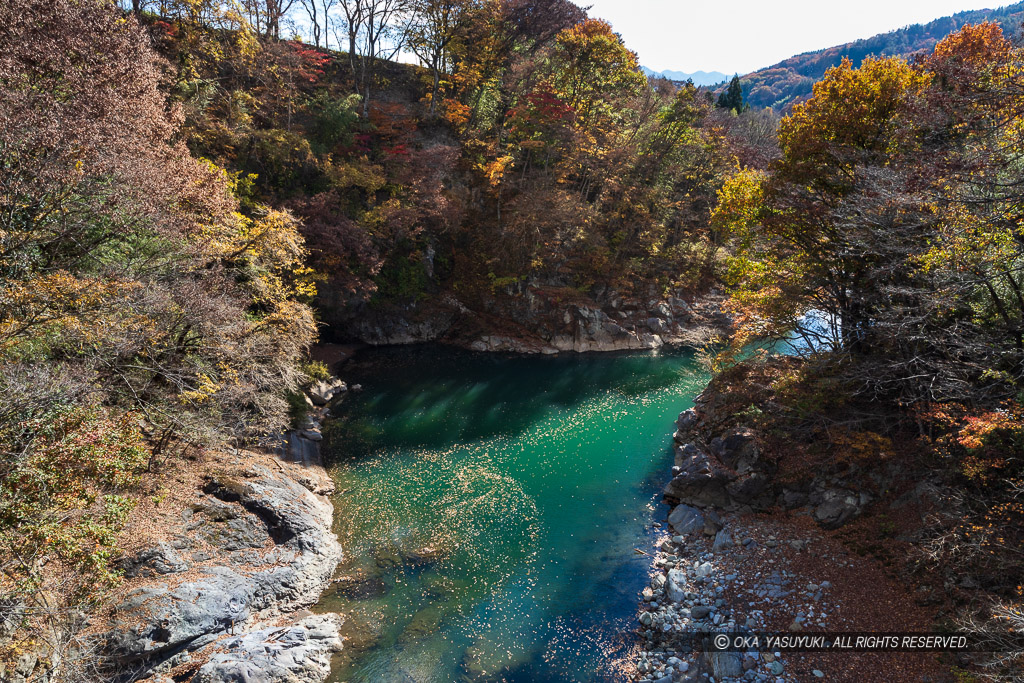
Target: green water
pixel 489 508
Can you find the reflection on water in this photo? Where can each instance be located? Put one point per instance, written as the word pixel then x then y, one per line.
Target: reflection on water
pixel 489 508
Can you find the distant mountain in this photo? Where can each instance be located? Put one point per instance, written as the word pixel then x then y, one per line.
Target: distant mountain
pixel 698 77
pixel 791 80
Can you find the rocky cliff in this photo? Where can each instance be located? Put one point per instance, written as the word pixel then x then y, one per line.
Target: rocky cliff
pixel 221 595
pixel 537 319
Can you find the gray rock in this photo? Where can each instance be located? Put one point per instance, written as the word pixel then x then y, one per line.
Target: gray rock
pixel 675 585
pixel 687 420
pixel 686 520
pixel 725 664
pixel 700 611
pixel 737 450
pixel 712 523
pixel 793 499
pixel 156 622
pixel 299 653
pixel 699 481
pixel 161 559
pixel 838 506
pixel 723 541
pixel 322 392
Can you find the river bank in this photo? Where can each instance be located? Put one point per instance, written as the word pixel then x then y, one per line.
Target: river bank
pixel 752 545
pixel 220 566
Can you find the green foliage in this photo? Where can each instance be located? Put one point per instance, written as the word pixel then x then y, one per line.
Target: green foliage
pixel 732 97
pixel 402 279
pixel 316 370
pixel 335 120
pixel 298 409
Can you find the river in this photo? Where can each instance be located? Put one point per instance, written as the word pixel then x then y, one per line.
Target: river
pixel 490 507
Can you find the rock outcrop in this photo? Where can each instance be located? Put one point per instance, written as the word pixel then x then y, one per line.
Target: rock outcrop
pixel 254 547
pixel 295 653
pixel 726 472
pixel 538 318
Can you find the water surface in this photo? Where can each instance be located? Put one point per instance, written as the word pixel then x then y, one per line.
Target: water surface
pixel 490 507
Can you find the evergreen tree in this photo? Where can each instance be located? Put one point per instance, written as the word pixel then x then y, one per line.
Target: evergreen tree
pixel 732 97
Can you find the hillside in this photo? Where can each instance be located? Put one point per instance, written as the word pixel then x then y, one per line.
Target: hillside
pixel 791 80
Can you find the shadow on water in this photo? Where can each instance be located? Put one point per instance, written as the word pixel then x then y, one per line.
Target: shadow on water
pixel 428 396
pixel 489 508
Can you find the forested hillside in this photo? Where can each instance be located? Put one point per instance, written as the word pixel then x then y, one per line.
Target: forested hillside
pixel 181 183
pixel 894 214
pixel 530 152
pixel 781 85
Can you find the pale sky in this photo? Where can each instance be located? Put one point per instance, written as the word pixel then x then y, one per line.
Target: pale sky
pixel 740 36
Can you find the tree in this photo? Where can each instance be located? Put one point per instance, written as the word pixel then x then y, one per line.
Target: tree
pixel 319 12
pixel 799 250
pixel 141 312
pixel 384 31
pixel 732 97
pixel 436 23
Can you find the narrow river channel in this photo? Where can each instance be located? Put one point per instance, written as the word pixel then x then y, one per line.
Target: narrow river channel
pixel 490 508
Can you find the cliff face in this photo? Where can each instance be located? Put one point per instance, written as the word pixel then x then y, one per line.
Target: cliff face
pixel 533 319
pixel 219 567
pixel 218 591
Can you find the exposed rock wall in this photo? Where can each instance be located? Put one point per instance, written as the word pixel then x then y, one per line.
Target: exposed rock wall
pixel 534 319
pixel 226 590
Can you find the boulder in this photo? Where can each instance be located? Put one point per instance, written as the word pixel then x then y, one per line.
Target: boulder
pixel 837 507
pixel 723 541
pixel 322 392
pixel 725 664
pixel 675 585
pixel 712 523
pixel 700 611
pixel 699 482
pixel 686 520
pixel 791 499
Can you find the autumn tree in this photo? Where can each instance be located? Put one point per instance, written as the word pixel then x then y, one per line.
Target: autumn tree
pixel 436 24
pixel 808 242
pixel 141 312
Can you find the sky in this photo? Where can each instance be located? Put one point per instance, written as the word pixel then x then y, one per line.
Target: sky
pixel 740 36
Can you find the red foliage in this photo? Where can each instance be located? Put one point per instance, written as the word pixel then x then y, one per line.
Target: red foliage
pixel 311 62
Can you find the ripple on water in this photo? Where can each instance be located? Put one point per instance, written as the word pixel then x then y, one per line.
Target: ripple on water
pixel 489 509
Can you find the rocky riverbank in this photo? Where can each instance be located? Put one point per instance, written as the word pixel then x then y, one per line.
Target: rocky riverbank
pixel 742 552
pixel 222 570
pixel 546 320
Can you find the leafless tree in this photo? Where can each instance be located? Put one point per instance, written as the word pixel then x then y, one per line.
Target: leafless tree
pixel 435 24
pixel 319 13
pixel 384 31
pixel 354 11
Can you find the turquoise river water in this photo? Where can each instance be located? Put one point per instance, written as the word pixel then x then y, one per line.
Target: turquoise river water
pixel 490 508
